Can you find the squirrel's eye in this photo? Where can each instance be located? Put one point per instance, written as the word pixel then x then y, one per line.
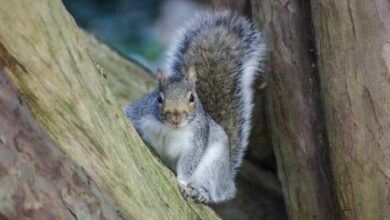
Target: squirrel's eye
pixel 159 99
pixel 191 99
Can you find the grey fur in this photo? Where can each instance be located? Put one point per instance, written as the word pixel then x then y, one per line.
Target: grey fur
pixel 226 52
pixel 213 183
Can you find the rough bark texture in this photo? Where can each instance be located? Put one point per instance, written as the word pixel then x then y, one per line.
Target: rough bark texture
pixel 353 44
pixel 127 80
pixel 37 179
pixel 237 6
pixel 294 111
pixel 44 55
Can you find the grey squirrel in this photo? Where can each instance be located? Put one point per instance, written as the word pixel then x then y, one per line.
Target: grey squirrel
pixel 198 118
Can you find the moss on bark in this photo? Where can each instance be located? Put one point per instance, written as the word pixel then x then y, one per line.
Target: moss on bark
pixel 45 56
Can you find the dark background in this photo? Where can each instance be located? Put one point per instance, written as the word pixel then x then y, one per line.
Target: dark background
pixel 137 28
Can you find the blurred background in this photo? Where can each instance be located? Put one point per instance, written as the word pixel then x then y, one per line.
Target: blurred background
pixel 138 29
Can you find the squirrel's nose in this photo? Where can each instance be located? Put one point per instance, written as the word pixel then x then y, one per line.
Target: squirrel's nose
pixel 176 119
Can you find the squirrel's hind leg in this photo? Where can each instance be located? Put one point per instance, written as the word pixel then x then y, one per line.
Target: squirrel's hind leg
pixel 212 180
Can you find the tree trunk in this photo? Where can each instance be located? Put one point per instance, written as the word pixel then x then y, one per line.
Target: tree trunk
pixel 293 108
pixel 38 181
pixel 127 80
pixel 43 54
pixel 353 44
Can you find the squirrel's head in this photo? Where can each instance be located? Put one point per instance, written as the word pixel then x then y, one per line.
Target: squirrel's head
pixel 177 98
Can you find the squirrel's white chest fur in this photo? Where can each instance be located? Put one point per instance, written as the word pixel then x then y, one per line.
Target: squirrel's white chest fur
pixel 169 143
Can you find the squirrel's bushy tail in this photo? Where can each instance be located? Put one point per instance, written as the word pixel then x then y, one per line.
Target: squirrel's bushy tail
pixel 227 53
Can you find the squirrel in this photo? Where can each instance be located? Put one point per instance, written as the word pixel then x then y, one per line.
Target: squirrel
pixel 198 118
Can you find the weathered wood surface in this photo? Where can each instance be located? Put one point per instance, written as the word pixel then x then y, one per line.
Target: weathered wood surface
pixel 38 180
pixel 294 108
pixel 128 81
pixel 45 56
pixel 353 46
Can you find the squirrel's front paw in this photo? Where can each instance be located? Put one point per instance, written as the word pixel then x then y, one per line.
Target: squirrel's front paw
pixel 201 195
pixel 185 189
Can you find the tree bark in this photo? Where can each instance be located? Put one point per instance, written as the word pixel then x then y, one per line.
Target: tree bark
pixel 38 181
pixel 353 44
pixel 236 6
pixel 294 112
pixel 44 55
pixel 128 81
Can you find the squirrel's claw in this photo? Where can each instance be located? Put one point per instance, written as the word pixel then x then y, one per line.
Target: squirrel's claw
pixel 185 189
pixel 182 185
pixel 200 195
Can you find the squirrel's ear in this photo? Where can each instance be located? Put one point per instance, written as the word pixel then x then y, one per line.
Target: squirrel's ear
pixel 160 75
pixel 191 76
